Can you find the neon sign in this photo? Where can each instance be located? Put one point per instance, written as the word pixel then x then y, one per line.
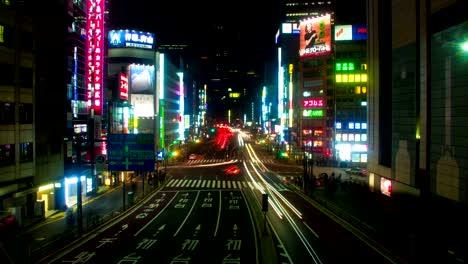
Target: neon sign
pixel 130 39
pixel 312 103
pixel 313 113
pixel 123 86
pixel 94 55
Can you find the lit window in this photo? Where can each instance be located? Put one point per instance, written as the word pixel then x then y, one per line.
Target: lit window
pixel 338 78
pixel 364 157
pixel 351 66
pixel 357 125
pixel 358 89
pixel 351 125
pixel 345 137
pixel 345 66
pixel 364 66
pixel 338 125
pixel 318 143
pixel 2 30
pixel 338 137
pixel 351 78
pixel 357 137
pixel 363 137
pixel 345 78
pixel 357 77
pixel 364 89
pixel 364 77
pixel 338 66
pixel 351 137
pixel 364 126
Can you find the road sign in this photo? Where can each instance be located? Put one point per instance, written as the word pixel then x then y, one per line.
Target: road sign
pixel 130 152
pixel 160 155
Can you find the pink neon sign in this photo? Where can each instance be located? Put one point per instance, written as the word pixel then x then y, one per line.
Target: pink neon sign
pixel 312 103
pixel 94 55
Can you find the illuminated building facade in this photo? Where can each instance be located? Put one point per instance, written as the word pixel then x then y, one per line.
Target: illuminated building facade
pixel 49 153
pixel 316 88
pixel 350 94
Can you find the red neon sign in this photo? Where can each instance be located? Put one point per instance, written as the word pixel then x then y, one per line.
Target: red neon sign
pixel 312 103
pixel 123 86
pixel 94 55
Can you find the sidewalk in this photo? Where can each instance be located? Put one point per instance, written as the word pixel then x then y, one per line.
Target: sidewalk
pixel 415 230
pixel 38 238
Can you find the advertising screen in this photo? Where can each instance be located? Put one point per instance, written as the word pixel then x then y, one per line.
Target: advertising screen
pixel 315 36
pixel 141 79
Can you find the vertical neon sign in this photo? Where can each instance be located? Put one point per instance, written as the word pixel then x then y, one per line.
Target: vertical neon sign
pixel 181 105
pixel 94 55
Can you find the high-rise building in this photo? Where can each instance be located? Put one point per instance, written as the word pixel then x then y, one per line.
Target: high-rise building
pixel 45 143
pixel 417 107
pixel 350 95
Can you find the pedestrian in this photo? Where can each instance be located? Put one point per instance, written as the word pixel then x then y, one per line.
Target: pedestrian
pixel 339 183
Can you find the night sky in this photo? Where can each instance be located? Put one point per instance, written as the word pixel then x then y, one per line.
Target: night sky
pixel 189 22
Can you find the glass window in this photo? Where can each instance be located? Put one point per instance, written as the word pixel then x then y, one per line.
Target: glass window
pixel 338 125
pixel 7 154
pixel 350 125
pixel 358 90
pixel 355 157
pixel 338 78
pixel 26 152
pixel 363 157
pixel 357 77
pixel 357 137
pixel 26 77
pixel 364 77
pixel 364 126
pixel 363 137
pixel 357 125
pixel 7 74
pixel 351 137
pixel 338 137
pixel 7 113
pixel 26 113
pixel 345 137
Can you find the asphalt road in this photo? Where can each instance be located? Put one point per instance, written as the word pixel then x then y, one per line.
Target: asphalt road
pixel 176 226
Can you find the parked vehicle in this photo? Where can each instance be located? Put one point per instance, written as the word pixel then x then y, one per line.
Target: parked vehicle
pixel 357 171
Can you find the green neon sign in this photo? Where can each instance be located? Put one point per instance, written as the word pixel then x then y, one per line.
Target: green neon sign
pixel 313 113
pixel 344 66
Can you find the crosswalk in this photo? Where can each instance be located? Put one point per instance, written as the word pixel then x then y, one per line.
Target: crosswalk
pixel 216 184
pixel 211 161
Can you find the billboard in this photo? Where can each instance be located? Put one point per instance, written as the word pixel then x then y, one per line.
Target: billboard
pixel 350 32
pixel 143 105
pixel 142 79
pixel 130 39
pixel 94 55
pixel 315 36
